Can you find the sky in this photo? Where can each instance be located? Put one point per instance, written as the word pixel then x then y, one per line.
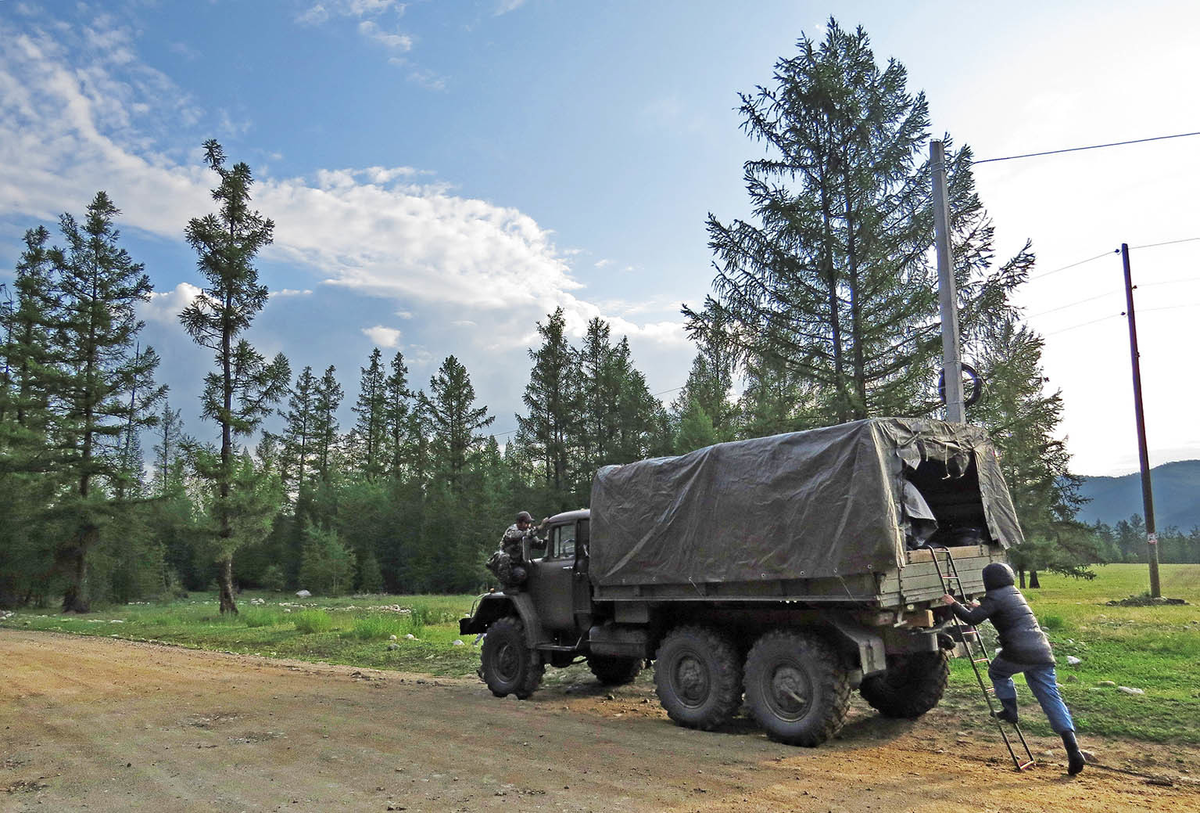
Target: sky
pixel 442 175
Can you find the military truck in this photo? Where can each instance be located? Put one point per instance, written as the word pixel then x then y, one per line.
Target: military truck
pixel 789 569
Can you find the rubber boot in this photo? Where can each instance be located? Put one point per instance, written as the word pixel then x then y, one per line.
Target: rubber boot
pixel 1008 710
pixel 1075 760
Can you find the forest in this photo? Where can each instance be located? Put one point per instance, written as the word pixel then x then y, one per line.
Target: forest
pixel 823 309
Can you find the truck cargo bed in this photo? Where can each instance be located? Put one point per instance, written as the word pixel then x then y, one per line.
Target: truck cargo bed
pixel 916 581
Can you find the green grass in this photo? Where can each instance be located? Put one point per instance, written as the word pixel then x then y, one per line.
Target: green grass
pixel 1156 649
pixel 348 630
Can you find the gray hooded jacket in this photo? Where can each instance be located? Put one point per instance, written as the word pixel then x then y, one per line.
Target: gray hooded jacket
pixel 1021 639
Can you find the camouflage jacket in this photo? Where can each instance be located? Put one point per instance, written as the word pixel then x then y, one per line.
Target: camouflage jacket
pixel 510 543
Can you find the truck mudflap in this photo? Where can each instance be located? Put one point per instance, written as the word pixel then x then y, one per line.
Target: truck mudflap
pixel 494 606
pixel 872 654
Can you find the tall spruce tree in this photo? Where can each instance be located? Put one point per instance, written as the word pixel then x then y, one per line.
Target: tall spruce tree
pixel 245 386
pixel 95 367
pixel 834 279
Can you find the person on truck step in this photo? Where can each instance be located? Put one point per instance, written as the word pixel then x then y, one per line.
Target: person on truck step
pixel 508 563
pixel 1023 648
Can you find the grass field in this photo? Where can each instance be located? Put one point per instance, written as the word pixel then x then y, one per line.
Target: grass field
pixel 1155 649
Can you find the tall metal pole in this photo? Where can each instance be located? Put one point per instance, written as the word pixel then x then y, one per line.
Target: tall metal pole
pixel 947 296
pixel 1143 454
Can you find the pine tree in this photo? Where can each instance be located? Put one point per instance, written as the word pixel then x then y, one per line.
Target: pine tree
pixel 398 417
pixel 299 433
pixel 454 421
pixel 710 383
pixel 600 391
pixel 695 429
pixel 552 397
pixel 327 397
pixel 95 369
pixel 371 407
pixel 27 320
pixel 245 386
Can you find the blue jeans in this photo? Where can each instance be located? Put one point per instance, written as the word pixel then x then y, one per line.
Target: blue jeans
pixel 1042 682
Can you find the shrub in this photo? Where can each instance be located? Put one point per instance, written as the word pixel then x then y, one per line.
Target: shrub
pixel 376 628
pixel 312 621
pixel 1053 622
pixel 260 617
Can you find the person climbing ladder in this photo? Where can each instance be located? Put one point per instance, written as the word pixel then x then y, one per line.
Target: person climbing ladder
pixel 1024 648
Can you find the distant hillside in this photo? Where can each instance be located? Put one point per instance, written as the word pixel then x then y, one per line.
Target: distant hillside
pixel 1176 496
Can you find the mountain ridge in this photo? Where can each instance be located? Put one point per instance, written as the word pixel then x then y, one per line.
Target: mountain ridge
pixel 1176 488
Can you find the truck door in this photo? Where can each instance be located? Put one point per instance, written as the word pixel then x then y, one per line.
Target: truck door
pixel 552 579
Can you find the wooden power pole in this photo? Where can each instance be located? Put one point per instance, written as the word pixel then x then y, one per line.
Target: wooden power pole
pixel 1143 454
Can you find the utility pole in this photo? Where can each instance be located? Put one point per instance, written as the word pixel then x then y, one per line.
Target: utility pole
pixel 1143 454
pixel 956 412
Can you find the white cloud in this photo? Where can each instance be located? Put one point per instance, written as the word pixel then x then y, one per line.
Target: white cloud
pixel 166 306
pixel 316 15
pixel 383 336
pixel 396 41
pixel 321 12
pixel 505 6
pixel 604 262
pixel 379 231
pixel 291 292
pixel 430 80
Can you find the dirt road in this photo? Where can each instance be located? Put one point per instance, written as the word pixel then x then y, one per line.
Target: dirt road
pixel 101 724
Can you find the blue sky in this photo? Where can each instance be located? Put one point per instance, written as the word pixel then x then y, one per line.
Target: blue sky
pixel 443 174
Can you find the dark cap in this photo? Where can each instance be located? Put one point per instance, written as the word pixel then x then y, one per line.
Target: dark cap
pixel 524 516
pixel 998 574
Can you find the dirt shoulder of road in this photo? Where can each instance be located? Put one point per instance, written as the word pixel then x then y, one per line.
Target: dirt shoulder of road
pixel 103 724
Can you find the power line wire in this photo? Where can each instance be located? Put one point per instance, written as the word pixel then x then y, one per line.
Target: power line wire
pixel 1167 243
pixel 1078 302
pixel 1080 149
pixel 1083 324
pixel 1072 265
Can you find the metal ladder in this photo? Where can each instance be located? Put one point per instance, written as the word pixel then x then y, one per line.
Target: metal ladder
pixel 977 653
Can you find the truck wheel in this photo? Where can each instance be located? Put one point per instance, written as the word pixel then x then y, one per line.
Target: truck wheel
pixel 697 677
pixel 797 687
pixel 911 686
pixel 613 670
pixel 509 665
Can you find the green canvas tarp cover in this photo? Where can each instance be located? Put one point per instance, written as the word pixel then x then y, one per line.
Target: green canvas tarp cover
pixel 821 503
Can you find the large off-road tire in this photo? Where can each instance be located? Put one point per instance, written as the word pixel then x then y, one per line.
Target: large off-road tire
pixel 912 685
pixel 613 670
pixel 797 687
pixel 509 665
pixel 698 677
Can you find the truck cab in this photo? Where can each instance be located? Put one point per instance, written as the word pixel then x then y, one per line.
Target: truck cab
pixel 557 582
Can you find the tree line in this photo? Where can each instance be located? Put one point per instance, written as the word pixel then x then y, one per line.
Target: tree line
pixel 823 309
